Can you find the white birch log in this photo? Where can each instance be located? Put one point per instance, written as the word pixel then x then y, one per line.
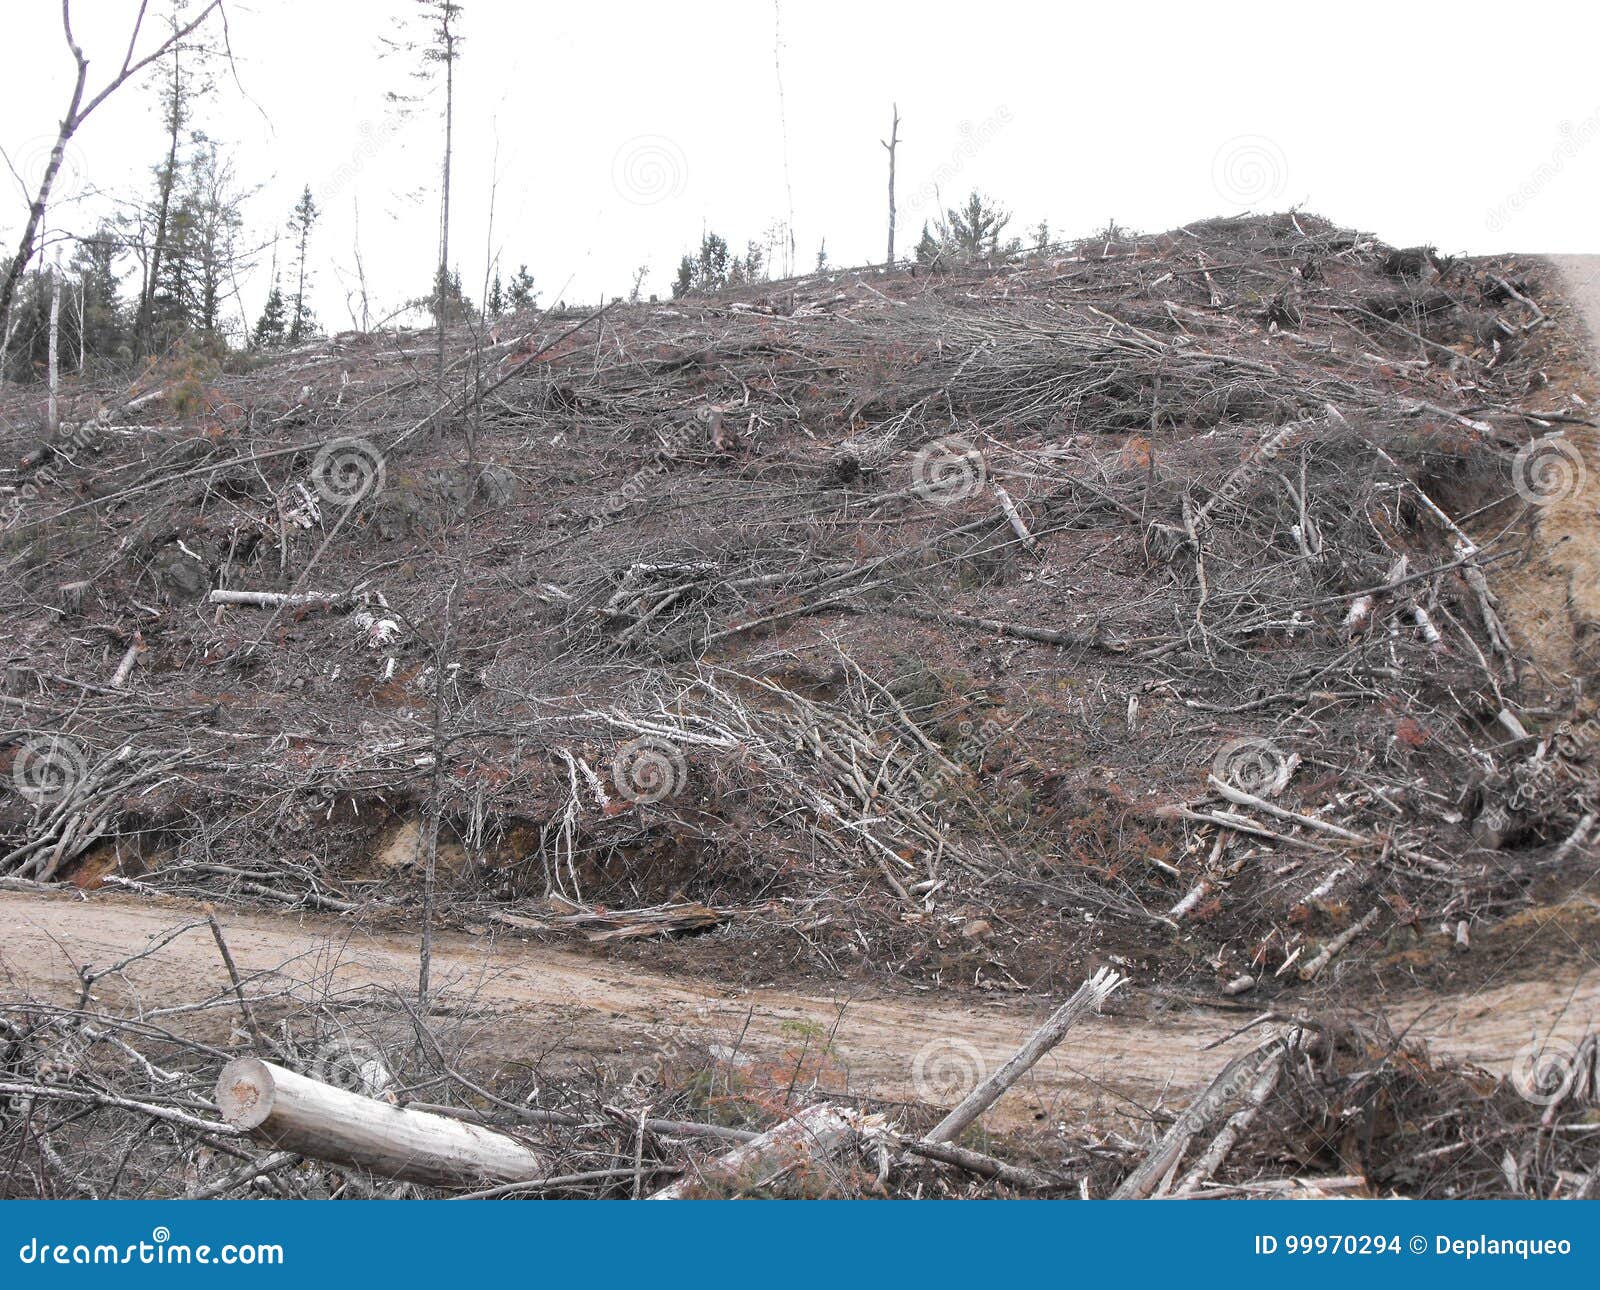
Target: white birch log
pixel 290 1112
pixel 1211 1159
pixel 275 599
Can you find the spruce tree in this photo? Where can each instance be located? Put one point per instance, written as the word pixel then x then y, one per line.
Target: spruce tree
pixel 302 321
pixel 272 327
pixel 521 294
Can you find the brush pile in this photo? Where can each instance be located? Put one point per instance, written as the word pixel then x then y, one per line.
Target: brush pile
pixel 1134 602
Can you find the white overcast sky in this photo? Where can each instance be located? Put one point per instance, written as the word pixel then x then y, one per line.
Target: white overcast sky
pixel 618 131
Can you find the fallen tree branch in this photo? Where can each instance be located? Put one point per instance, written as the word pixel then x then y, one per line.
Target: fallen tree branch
pixel 1086 999
pixel 815 1134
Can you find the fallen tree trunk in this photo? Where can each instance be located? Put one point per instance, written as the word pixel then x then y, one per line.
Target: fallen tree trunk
pixel 1230 1084
pixel 1087 998
pixel 278 1108
pixel 976 1162
pixel 814 1135
pixel 277 600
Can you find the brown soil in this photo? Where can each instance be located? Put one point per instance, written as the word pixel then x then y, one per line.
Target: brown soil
pixel 1554 600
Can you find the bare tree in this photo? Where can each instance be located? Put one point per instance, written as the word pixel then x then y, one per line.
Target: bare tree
pixel 78 111
pixel 443 15
pixel 176 97
pixel 890 144
pixel 55 345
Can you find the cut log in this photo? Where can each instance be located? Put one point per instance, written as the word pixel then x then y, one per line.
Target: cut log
pixel 290 1112
pixel 1014 518
pixel 119 678
pixel 978 1163
pixel 816 1134
pixel 277 600
pixel 621 924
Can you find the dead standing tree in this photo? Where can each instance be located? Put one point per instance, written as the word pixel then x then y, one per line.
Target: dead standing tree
pixel 890 145
pixel 78 111
pixel 442 15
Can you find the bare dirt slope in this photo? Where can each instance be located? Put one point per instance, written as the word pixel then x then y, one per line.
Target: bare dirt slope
pixel 1555 599
pixel 1579 517
pixel 541 1001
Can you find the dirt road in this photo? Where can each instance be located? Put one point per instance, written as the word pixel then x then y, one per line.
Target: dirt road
pixel 537 999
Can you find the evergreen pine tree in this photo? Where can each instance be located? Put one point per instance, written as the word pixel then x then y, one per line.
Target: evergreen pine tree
pixel 302 321
pixel 521 294
pixel 272 327
pixel 100 315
